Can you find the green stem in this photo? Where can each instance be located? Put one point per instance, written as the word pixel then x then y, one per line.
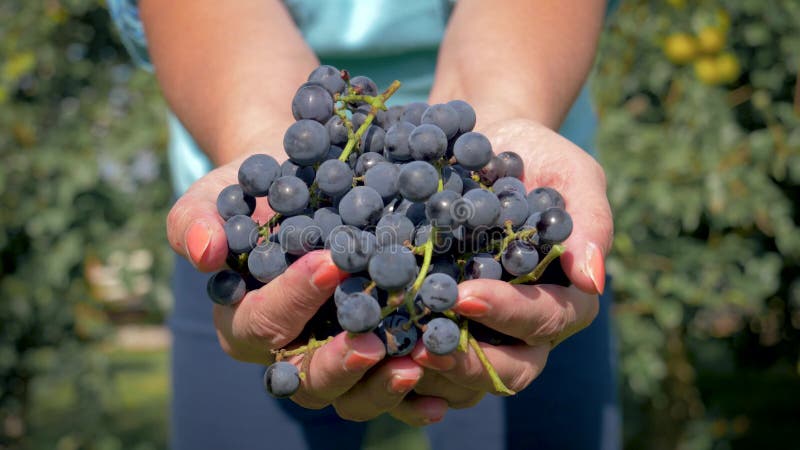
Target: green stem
pixel 377 102
pixel 264 230
pixel 554 253
pixel 312 345
pixel 498 384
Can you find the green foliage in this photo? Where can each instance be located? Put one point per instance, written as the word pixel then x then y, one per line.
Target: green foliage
pixel 81 185
pixel 704 178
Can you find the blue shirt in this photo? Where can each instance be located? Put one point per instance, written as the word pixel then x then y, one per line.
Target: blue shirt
pixel 382 39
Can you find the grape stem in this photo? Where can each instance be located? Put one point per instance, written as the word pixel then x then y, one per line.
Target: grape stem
pixel 312 345
pixel 264 230
pixel 511 235
pixel 377 102
pixel 554 253
pixel 498 384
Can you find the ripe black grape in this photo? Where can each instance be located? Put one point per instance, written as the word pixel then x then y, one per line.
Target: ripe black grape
pixel 441 336
pixel 257 173
pixel 288 195
pixel 306 142
pixel 282 379
pixel 233 201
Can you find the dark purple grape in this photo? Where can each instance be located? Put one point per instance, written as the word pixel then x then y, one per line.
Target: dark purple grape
pixel 226 288
pixel 483 266
pixel 473 151
pixel 513 208
pixel 361 206
pixel 442 209
pixel 383 178
pixel 513 163
pixel 482 208
pixel 414 211
pixel 257 173
pixel 281 379
pixel 366 161
pixel 364 85
pixel 312 101
pixel 351 285
pixel 266 261
pixel 508 184
pixel 352 248
pixel 394 229
pixel 439 292
pixel 233 201
pixel 241 233
pixel 306 142
pixel 288 196
pixel 413 112
pixel 543 198
pixel 373 139
pixel 441 336
pixel 337 131
pixel 418 180
pixel 334 177
pixel 445 264
pixel 427 142
pixel 299 235
pixel 396 141
pixel 444 117
pixel 554 226
pixel 492 171
pixel 329 77
pixel 519 258
pixel 327 219
pixel 393 267
pixel 466 115
pixel 452 180
pixel 305 173
pixel 358 312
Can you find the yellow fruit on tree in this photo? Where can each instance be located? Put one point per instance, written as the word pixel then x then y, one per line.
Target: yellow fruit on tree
pixel 728 67
pixel 711 39
pixel 680 48
pixel 706 70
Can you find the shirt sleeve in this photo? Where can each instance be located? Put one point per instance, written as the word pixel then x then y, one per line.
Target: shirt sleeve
pixel 125 14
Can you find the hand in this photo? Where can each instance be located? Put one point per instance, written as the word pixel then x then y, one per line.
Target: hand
pixel 541 316
pixel 343 372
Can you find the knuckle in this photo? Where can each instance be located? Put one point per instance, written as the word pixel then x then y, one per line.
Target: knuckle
pixel 523 377
pixel 260 326
pixel 551 327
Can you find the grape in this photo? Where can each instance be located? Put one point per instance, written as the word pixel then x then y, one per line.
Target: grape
pixel 352 248
pixel 513 208
pixel 351 285
pixel 361 206
pixel 519 258
pixel 452 180
pixel 312 101
pixel 413 112
pixel 335 152
pixel 485 208
pixel 473 150
pixel 394 229
pixel 483 266
pixel 364 85
pixel 444 117
pixel 233 201
pixel 299 235
pixel 427 142
pixel 383 178
pixel 373 139
pixel 358 312
pixel 288 196
pixel 327 219
pixel 543 198
pixel 305 173
pixel 393 267
pixel 396 141
pixel 554 226
pixel 466 115
pixel 266 261
pixel 281 379
pixel 329 77
pixel 389 117
pixel 513 163
pixel 508 184
pixel 441 209
pixel 359 116
pixel 366 161
pixel 414 211
pixel 242 233
pixel 306 142
pixel 441 336
pixel 445 264
pixel 398 334
pixel 334 177
pixel 418 180
pixel 337 131
pixel 257 173
pixel 493 170
pixel 439 292
pixel 226 288
pixel 444 237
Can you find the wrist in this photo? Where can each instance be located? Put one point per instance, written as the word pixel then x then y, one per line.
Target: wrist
pixel 245 136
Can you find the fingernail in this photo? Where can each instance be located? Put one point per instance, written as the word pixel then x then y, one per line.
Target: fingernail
pixel 400 385
pixel 326 276
pixel 472 307
pixel 596 267
pixel 355 361
pixel 197 240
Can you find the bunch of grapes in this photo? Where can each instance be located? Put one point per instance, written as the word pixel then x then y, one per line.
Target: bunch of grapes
pixel 408 199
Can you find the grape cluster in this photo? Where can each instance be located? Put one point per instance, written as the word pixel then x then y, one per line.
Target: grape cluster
pixel 408 199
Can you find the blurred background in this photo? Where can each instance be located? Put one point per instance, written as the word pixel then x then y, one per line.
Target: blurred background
pixel 699 136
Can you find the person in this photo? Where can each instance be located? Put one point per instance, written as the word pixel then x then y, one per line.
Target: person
pixel 228 71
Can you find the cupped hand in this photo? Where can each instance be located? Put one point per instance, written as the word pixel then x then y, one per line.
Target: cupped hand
pixel 540 316
pixel 345 372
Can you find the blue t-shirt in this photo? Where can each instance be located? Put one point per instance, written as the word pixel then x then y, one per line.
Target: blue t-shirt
pixel 382 39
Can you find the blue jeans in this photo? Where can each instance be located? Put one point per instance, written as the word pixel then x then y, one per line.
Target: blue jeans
pixel 219 403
